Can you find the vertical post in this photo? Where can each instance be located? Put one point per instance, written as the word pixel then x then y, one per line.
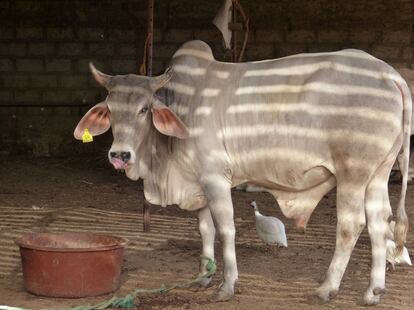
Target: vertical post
pixel 150 31
pixel 234 31
pixel 146 216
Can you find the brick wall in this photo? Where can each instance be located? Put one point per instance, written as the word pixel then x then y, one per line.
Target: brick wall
pixel 45 47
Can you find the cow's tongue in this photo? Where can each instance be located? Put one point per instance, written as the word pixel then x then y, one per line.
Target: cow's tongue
pixel 117 163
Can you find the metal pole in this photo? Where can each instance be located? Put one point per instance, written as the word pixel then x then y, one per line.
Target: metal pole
pixel 150 27
pixel 146 216
pixel 234 32
pixel 150 31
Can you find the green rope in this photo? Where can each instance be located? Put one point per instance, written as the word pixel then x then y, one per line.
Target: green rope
pixel 128 301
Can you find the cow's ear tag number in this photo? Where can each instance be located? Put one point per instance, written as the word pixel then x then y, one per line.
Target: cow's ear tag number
pixel 87 137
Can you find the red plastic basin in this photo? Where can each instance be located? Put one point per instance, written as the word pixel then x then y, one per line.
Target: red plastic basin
pixel 71 264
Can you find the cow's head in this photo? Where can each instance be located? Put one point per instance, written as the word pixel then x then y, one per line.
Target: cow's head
pixel 134 113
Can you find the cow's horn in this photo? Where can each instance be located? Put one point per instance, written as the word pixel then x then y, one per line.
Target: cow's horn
pixel 160 81
pixel 102 78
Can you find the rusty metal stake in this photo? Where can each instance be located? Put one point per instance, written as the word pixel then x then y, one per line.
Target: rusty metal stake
pixel 236 26
pixel 146 216
pixel 234 33
pixel 150 29
pixel 150 33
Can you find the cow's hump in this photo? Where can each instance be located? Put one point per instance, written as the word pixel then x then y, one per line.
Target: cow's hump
pixel 195 49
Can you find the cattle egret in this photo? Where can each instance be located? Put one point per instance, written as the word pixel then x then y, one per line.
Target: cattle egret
pixel 270 229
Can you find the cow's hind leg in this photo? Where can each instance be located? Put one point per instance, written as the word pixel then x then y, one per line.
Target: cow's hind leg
pixel 378 211
pixel 351 221
pixel 207 232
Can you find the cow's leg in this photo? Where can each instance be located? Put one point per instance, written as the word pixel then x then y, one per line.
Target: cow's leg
pixel 378 211
pixel 207 232
pixel 351 221
pixel 218 192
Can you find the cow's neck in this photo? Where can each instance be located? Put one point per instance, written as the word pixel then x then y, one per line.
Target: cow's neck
pixel 160 165
pixel 167 183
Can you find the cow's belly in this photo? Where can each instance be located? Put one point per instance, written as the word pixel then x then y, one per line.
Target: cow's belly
pixel 293 179
pixel 288 175
pixel 298 192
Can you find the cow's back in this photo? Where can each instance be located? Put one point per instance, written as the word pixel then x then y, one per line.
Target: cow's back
pixel 271 121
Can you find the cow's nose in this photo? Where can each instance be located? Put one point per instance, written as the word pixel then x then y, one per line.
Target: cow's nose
pixel 124 156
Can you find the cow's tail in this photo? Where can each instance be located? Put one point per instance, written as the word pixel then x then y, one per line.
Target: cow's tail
pixel 401 225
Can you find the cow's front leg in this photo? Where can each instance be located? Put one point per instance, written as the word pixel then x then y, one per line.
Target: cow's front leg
pixel 218 192
pixel 351 221
pixel 207 232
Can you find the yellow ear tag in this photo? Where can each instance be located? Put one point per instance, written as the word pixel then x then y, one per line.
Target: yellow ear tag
pixel 87 137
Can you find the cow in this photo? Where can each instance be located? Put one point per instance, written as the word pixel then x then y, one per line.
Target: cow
pixel 297 126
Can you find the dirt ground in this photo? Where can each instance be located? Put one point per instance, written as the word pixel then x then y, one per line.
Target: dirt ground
pixel 63 195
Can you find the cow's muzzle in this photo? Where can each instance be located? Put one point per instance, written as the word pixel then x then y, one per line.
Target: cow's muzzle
pixel 119 159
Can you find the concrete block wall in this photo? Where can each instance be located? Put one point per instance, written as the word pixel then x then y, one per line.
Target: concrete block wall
pixel 45 47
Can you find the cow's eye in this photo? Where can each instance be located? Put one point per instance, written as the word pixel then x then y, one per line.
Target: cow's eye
pixel 143 110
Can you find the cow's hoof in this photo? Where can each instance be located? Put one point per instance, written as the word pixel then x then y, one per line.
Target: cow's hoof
pixel 326 294
pixel 372 297
pixel 204 282
pixel 222 295
pixel 371 300
pixel 379 291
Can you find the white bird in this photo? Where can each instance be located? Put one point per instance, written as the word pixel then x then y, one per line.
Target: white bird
pixel 403 259
pixel 270 229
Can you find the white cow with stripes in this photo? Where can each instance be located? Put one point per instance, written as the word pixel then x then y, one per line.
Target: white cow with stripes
pixel 297 126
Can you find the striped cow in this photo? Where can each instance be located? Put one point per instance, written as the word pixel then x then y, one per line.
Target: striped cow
pixel 297 126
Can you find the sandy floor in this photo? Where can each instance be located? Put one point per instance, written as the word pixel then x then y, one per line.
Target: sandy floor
pixel 59 195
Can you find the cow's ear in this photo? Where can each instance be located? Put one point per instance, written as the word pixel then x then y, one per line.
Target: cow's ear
pixel 96 120
pixel 167 122
pixel 102 78
pixel 158 82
